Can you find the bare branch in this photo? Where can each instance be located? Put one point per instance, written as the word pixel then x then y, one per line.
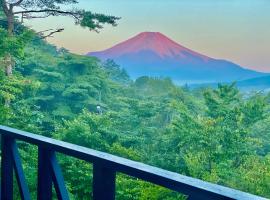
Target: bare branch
pixel 51 33
pixel 16 3
pixel 41 32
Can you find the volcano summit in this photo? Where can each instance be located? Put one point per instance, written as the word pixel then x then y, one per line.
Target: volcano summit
pixel 154 54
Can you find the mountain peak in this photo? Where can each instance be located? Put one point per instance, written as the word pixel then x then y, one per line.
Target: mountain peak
pixel 154 54
pixel 154 42
pixel 150 34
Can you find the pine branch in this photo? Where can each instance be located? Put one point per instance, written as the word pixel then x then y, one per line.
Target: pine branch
pixel 51 11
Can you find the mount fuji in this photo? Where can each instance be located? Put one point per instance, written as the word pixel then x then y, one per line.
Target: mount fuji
pixel 154 54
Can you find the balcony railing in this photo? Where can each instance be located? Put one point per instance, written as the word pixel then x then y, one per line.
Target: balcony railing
pixel 105 167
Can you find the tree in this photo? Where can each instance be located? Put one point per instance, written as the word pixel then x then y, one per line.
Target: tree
pixel 116 73
pixel 30 9
pixel 221 144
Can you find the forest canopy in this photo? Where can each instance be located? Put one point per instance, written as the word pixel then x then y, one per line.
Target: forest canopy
pixel 218 134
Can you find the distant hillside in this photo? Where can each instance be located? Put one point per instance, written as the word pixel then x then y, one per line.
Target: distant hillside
pixel 261 83
pixel 154 54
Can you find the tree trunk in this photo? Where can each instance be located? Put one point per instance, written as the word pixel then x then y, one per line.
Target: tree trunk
pixel 8 61
pixel 8 64
pixel 7 103
pixel 8 57
pixel 10 20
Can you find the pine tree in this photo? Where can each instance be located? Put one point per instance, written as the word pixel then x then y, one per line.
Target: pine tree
pixel 29 9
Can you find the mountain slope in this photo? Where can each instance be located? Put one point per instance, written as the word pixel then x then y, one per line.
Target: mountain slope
pixel 154 54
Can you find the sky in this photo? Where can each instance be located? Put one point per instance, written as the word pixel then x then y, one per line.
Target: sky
pixel 234 30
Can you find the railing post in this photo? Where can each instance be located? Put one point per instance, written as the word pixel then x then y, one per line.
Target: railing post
pixel 6 169
pixel 103 183
pixel 58 179
pixel 44 175
pixel 17 164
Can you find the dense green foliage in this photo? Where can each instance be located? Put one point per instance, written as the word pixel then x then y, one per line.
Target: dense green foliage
pixel 218 135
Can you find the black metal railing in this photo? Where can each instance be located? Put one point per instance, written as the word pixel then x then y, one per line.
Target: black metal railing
pixel 105 167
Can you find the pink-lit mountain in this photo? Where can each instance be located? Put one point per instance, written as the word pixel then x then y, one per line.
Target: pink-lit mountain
pixel 154 54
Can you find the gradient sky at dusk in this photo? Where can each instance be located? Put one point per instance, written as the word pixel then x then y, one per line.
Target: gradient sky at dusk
pixel 235 30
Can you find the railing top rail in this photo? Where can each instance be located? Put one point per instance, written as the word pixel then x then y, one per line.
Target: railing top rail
pixel 171 180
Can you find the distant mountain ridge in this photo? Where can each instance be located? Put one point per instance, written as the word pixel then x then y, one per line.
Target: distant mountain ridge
pixel 254 84
pixel 260 83
pixel 154 54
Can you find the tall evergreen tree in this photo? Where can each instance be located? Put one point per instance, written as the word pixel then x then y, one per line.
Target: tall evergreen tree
pixel 30 9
